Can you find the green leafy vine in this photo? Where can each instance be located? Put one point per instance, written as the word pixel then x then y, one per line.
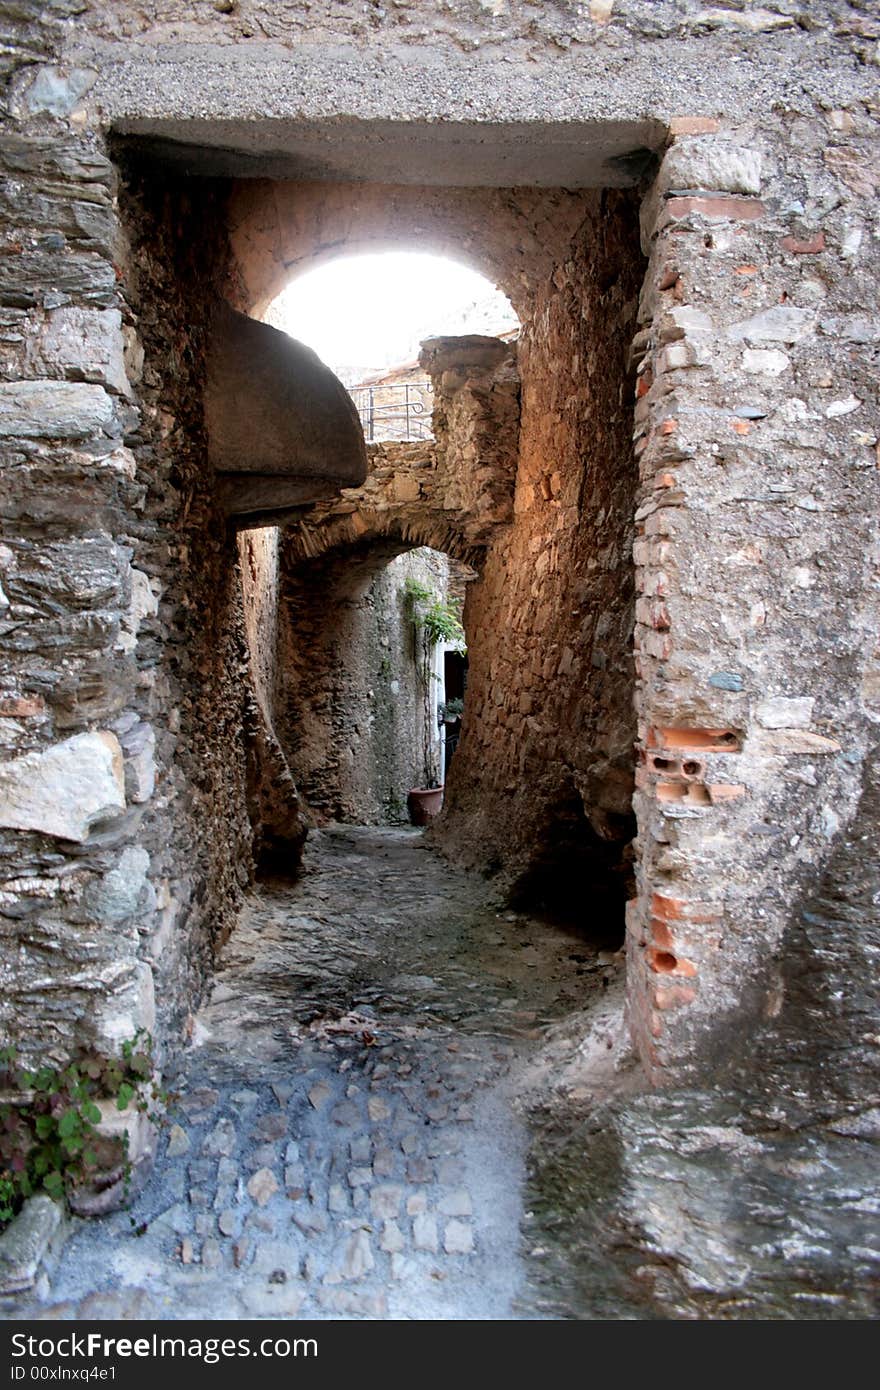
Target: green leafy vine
pixel 49 1124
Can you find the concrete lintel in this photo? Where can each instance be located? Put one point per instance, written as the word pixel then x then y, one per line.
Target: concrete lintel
pixel 542 154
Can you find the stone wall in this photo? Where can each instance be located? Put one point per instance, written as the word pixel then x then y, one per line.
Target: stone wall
pixel 543 773
pixel 122 635
pixel 756 637
pixel 277 817
pixel 77 743
pixel 196 829
pixel 454 494
pixel 124 780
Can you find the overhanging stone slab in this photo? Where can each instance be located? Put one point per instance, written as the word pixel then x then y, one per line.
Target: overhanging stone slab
pixel 282 429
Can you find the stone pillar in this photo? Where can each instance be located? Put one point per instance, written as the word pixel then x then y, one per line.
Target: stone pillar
pixel 757 551
pixel 77 765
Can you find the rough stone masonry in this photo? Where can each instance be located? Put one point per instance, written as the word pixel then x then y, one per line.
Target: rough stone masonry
pixel 697 462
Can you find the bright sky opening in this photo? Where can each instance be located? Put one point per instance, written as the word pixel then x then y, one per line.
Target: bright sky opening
pixel 367 313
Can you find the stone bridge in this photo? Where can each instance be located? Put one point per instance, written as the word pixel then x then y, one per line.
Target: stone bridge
pixel 452 493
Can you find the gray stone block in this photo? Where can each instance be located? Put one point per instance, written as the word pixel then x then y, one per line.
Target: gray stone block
pixel 54 410
pixel 65 789
pixel 26 1241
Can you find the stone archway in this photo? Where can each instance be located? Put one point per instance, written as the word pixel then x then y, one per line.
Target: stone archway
pixel 551 619
pixel 513 236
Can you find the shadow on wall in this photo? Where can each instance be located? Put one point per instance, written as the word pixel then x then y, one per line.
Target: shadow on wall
pixel 576 878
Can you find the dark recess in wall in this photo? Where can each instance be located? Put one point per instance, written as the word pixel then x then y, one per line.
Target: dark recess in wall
pixel 576 879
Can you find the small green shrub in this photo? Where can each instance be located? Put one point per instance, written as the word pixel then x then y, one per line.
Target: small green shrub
pixel 438 621
pixel 49 1139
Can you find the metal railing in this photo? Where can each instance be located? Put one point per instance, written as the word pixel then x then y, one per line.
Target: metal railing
pixel 399 411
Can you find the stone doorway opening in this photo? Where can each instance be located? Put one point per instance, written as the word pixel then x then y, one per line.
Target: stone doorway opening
pixel 532 485
pixel 363 694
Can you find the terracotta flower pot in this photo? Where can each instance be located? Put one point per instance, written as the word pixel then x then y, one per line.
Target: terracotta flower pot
pixel 424 803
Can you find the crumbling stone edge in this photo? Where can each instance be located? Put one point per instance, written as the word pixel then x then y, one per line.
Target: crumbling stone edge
pixel 31 1244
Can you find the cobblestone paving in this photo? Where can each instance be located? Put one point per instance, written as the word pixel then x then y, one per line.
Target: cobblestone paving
pixel 344 1142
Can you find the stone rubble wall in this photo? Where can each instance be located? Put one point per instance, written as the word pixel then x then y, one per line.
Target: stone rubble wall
pixel 125 838
pixel 124 782
pixel 549 716
pixel 79 614
pixel 554 25
pixel 757 552
pixel 277 816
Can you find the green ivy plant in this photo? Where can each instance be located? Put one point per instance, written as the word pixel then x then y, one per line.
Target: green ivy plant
pixel 49 1137
pixel 439 621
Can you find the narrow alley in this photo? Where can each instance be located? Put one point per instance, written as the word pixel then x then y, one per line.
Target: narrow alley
pixel 343 1140
pixel 440 671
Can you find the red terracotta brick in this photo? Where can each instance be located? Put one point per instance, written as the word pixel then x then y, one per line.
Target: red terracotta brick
pixel 741 426
pixel 693 125
pixel 692 768
pixel 692 792
pixel 682 909
pixel 718 208
pixel 672 909
pixel 22 706
pixel 661 935
pixel 809 247
pixel 714 740
pixel 725 792
pixel 673 996
pixel 664 962
pixel 670 766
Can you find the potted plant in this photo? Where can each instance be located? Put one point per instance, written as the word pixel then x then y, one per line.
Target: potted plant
pixel 433 621
pixel 451 712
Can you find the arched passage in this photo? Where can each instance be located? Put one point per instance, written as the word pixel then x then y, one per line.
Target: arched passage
pixel 359 692
pixel 551 677
pixel 367 313
pixel 515 237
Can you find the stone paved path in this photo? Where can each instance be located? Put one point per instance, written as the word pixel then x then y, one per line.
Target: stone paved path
pixel 345 1143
